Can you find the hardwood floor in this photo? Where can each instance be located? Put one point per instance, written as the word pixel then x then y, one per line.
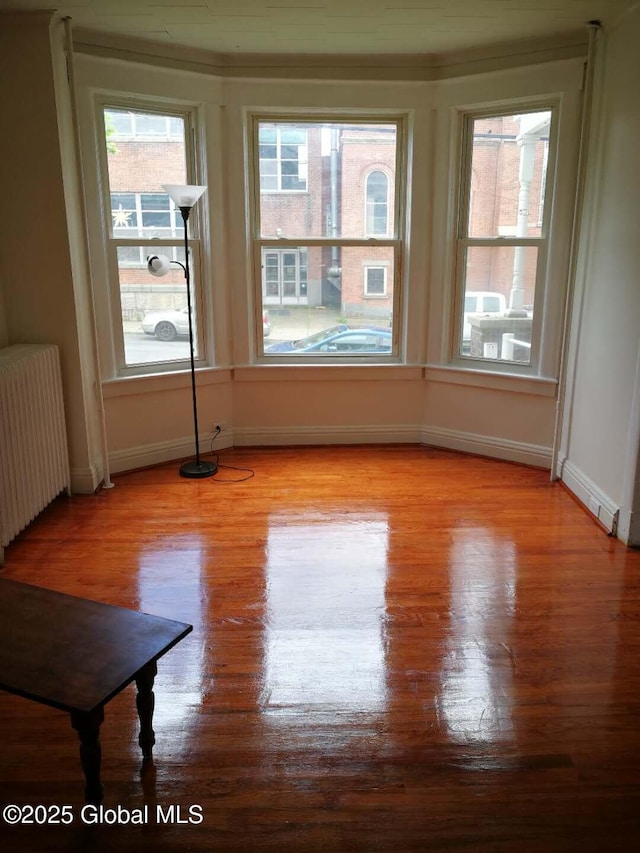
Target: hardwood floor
pixel 394 649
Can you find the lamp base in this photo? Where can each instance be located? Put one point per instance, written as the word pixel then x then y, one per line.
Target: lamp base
pixel 197 470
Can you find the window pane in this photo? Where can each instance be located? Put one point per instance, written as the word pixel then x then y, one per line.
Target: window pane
pixel 375 281
pixel 267 133
pixel 499 297
pixel 508 173
pixel 119 123
pixel 311 290
pixel 155 323
pixel 138 168
pixel 327 179
pixel 377 204
pixel 124 214
pixel 148 124
pixel 154 201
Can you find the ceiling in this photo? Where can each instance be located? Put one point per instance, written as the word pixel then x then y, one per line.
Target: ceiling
pixel 232 28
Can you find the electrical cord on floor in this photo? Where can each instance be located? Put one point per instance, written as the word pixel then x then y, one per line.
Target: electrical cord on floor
pixel 250 472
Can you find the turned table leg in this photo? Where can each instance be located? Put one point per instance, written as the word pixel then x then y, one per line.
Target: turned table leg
pixel 145 702
pixel 88 727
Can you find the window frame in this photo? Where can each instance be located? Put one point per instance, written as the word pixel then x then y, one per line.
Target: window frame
pixel 258 243
pixel 462 242
pixel 196 225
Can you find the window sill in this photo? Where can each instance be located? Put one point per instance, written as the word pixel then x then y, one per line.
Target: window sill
pixel 524 384
pixel 326 373
pixel 152 382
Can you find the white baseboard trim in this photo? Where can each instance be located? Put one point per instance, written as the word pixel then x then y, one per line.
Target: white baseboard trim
pixel 594 499
pixel 165 451
pixel 486 445
pixel 300 435
pixel 155 454
pixel 629 528
pixel 84 481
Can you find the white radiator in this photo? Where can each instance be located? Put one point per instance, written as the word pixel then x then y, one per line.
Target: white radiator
pixel 34 460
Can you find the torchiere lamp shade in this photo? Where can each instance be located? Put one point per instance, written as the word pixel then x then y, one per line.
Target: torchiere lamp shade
pixel 184 195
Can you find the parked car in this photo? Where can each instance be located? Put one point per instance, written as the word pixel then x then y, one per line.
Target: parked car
pixel 338 339
pixel 166 325
pixel 169 325
pixel 481 302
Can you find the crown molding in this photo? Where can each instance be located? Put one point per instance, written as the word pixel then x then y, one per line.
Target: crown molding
pixel 328 67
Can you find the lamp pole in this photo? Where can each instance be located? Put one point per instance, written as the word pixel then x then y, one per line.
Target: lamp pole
pixel 185 211
pixel 185 197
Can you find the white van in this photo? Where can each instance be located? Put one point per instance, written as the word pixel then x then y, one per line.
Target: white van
pixel 481 302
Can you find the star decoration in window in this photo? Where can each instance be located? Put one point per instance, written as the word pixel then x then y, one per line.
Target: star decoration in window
pixel 121 217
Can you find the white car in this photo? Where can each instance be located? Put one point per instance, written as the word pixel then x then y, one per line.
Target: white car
pixel 166 325
pixel 169 325
pixel 481 302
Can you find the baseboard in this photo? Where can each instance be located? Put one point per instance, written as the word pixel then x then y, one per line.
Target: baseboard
pixel 486 445
pixel 589 494
pixel 84 481
pixel 165 451
pixel 629 528
pixel 301 435
pixel 512 451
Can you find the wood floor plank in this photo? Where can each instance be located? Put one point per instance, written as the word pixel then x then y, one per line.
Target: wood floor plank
pixel 394 649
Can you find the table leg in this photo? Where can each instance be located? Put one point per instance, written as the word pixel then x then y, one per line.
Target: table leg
pixel 88 727
pixel 145 702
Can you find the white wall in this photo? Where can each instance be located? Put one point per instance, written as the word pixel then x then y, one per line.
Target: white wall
pixel 602 420
pixel 36 264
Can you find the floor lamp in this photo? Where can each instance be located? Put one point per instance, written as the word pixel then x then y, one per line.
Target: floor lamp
pixel 184 198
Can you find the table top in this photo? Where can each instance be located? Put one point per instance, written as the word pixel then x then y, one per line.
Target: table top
pixel 72 653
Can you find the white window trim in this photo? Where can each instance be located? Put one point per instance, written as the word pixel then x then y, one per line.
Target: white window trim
pixel 112 332
pixel 461 241
pixel 396 241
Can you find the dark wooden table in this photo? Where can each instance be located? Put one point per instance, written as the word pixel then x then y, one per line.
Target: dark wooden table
pixel 76 655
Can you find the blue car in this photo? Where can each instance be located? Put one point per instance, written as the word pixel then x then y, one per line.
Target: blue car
pixel 338 339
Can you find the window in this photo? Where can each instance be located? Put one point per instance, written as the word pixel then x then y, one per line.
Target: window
pixel 145 215
pixel 377 193
pixel 151 330
pixel 283 158
pixel 314 236
pixel 502 235
pixel 375 281
pixel 284 276
pixel 124 125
